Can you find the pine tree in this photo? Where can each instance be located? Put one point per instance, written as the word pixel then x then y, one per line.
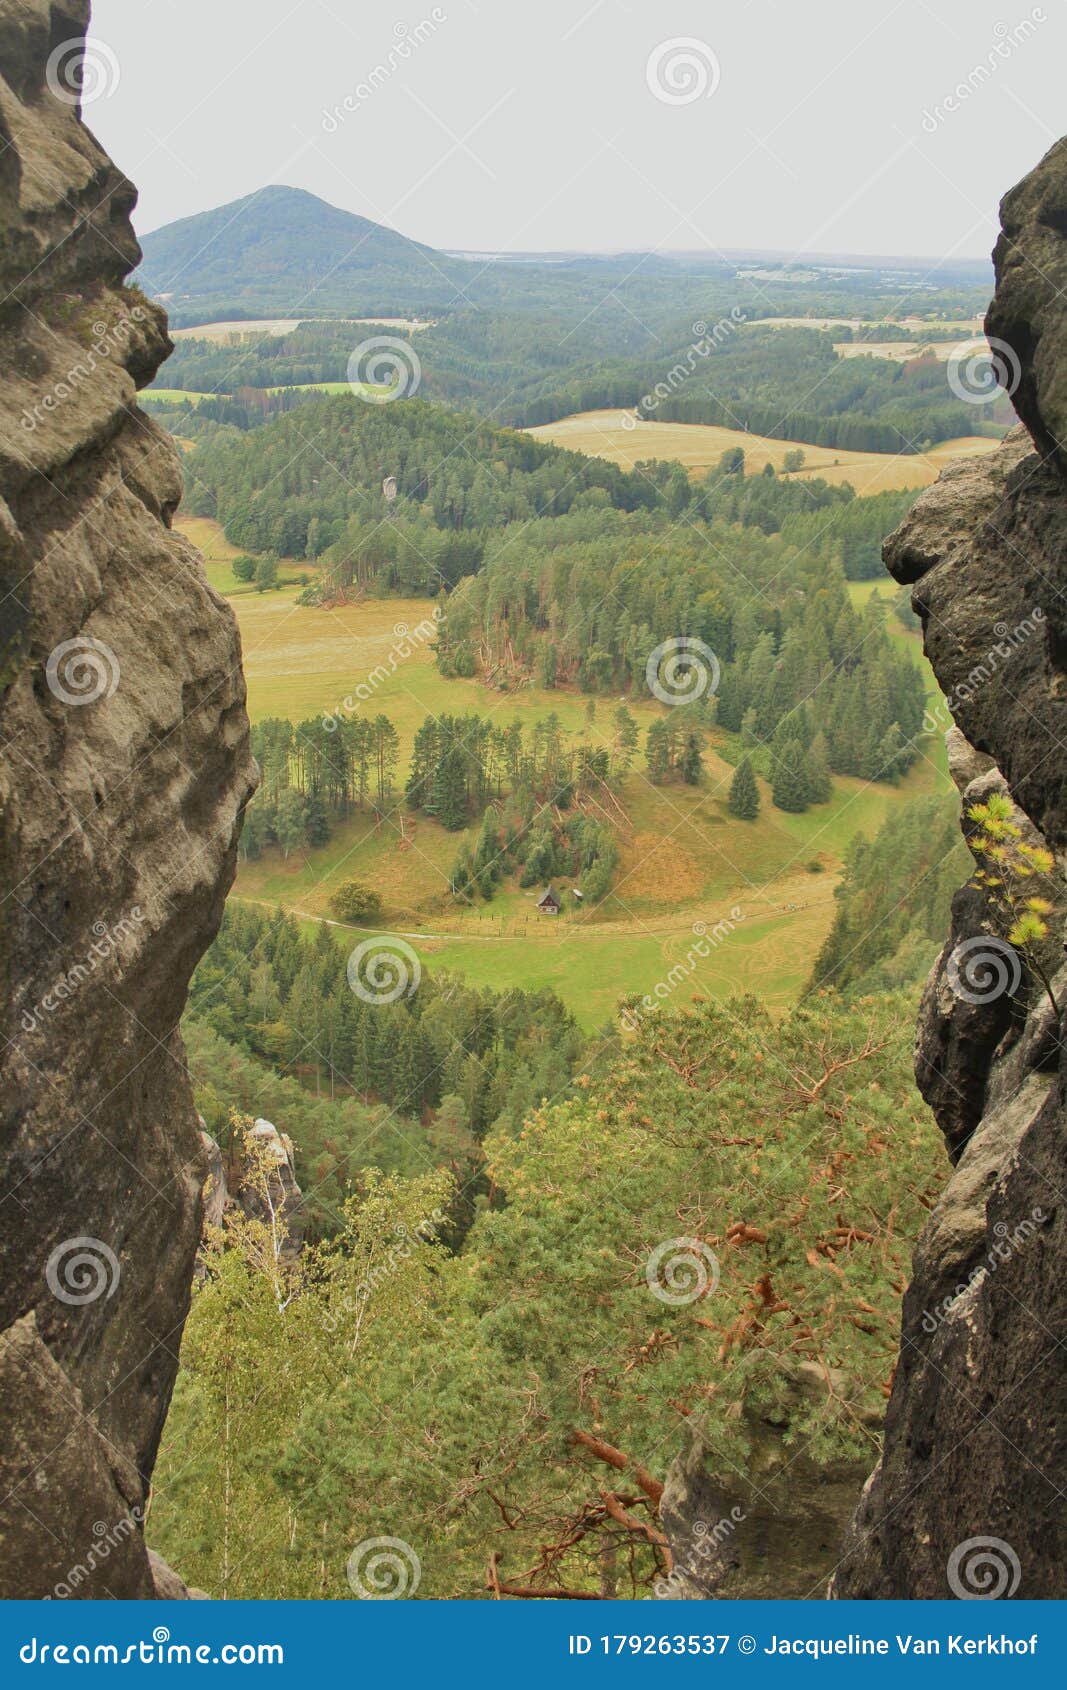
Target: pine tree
pixel 291 819
pixel 691 762
pixel 318 826
pixel 449 803
pixel 790 782
pixel 658 752
pixel 744 793
pixel 820 786
pixel 625 739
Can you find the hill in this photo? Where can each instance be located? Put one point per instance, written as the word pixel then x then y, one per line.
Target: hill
pixel 294 244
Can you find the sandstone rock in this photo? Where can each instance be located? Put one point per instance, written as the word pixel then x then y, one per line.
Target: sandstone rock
pixel 283 1197
pixel 975 1429
pixel 167 1586
pixel 124 771
pixel 771 1532
pixel 1029 312
pixel 214 1190
pixel 965 764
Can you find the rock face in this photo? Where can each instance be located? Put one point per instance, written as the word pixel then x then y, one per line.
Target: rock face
pixel 772 1532
pixel 975 1430
pixel 124 770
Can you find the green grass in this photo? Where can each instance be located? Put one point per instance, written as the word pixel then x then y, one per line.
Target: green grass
pixel 360 387
pixel 176 395
pixel 218 555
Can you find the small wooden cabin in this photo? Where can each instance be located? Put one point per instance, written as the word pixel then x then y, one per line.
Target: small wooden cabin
pixel 548 902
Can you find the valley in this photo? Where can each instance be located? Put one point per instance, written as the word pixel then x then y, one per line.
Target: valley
pixel 685 862
pixel 534 1062
pixel 605 832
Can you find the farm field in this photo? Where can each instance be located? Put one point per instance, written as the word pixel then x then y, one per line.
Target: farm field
pixel 919 324
pixel 605 434
pixel 684 859
pixel 244 327
pixel 902 350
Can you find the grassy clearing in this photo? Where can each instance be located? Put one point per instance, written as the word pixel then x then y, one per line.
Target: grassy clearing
pixel 762 890
pixel 910 641
pixel 218 554
pixel 684 858
pixel 302 661
pixel 178 395
pixel 605 434
pixel 360 388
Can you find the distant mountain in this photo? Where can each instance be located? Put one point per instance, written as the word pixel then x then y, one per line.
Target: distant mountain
pixel 284 251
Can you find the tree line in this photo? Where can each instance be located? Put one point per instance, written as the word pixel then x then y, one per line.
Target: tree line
pixel 585 601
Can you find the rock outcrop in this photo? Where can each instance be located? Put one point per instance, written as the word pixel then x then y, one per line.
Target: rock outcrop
pixel 976 1426
pixel 770 1532
pixel 277 1198
pixel 124 770
pixel 269 1193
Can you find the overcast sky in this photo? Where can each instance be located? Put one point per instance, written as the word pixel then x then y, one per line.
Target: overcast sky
pixel 582 124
